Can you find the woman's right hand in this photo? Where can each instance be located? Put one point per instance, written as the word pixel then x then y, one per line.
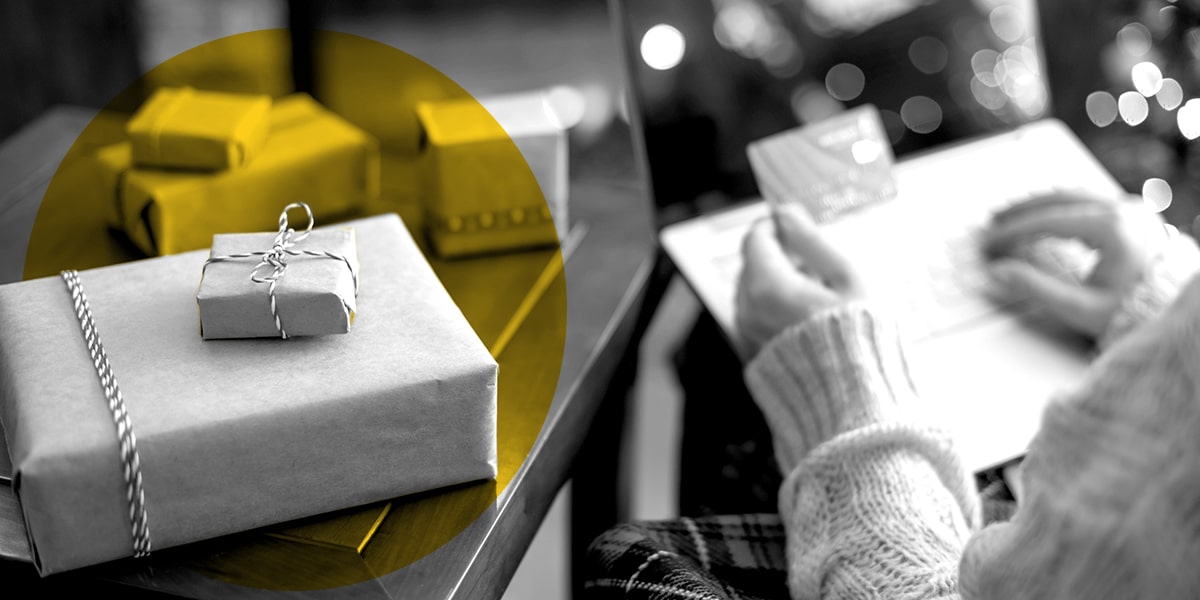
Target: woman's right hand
pixel 1126 234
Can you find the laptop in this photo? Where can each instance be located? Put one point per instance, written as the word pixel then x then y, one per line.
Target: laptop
pixel 985 369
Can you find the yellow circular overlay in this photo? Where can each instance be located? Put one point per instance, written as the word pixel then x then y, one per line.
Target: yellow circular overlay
pixel 514 298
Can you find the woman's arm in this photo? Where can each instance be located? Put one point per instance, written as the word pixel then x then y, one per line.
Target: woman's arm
pixel 875 504
pixel 1110 506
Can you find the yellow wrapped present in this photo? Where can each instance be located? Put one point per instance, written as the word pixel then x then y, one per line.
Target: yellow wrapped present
pixel 311 155
pixel 193 129
pixel 493 181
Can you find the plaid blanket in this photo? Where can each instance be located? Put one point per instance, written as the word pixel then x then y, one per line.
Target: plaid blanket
pixel 734 557
pixel 722 557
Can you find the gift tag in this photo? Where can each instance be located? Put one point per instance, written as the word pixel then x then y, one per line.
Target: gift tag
pixel 829 167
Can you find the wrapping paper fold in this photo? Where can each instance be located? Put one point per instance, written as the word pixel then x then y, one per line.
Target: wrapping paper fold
pixel 310 155
pixel 316 296
pixel 236 434
pixel 193 129
pixel 494 174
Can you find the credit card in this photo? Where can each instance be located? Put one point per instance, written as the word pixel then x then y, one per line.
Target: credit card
pixel 830 167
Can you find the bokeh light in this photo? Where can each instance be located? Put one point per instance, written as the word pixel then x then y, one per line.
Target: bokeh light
pixel 845 81
pixel 784 58
pixel 738 25
pixel 811 102
pixel 1156 193
pixel 989 97
pixel 567 104
pixel 928 54
pixel 662 47
pixel 1171 94
pixel 921 114
pixel 983 63
pixel 1162 20
pixel 1147 78
pixel 1133 108
pixel 1007 23
pixel 1101 108
pixel 1188 118
pixel 1134 39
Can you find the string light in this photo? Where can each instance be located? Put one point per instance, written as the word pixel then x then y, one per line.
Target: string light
pixel 662 47
pixel 1133 108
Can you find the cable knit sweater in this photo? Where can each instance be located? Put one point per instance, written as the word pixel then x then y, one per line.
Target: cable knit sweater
pixel 878 506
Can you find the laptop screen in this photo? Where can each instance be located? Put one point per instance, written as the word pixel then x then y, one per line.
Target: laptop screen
pixel 710 76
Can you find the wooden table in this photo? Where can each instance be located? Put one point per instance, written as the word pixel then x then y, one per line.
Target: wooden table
pixel 387 550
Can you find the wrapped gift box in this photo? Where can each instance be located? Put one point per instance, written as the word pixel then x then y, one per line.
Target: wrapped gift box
pixel 236 434
pixel 482 195
pixel 311 155
pixel 315 296
pixel 194 129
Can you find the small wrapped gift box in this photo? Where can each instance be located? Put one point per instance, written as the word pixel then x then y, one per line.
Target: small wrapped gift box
pixel 310 154
pixel 315 277
pixel 235 434
pixel 193 129
pixel 495 174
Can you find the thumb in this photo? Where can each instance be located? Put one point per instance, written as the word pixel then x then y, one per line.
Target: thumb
pixel 800 235
pixel 762 252
pixel 1082 308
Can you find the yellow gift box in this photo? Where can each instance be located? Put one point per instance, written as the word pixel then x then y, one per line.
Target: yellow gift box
pixel 479 192
pixel 311 156
pixel 193 129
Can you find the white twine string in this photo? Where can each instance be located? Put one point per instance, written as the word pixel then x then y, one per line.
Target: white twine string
pixel 131 464
pixel 276 258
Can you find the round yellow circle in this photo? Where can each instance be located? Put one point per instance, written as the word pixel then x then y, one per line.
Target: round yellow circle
pixel 523 322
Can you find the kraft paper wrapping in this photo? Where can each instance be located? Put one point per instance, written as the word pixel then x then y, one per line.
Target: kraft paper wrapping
pixel 193 129
pixel 311 156
pixel 315 296
pixel 236 434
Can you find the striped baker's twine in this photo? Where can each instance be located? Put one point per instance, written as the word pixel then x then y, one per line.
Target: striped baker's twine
pixel 131 464
pixel 276 258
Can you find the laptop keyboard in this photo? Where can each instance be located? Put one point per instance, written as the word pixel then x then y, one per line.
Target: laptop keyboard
pixel 949 285
pixel 937 280
pixel 921 253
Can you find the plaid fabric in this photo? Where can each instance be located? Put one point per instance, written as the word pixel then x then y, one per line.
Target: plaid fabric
pixel 736 557
pixel 710 558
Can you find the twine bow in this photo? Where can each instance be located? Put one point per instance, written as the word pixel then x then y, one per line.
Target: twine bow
pixel 275 260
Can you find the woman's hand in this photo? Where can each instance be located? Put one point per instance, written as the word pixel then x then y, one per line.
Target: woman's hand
pixel 1126 235
pixel 789 273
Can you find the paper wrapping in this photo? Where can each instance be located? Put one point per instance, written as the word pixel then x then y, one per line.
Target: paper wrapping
pixel 236 434
pixel 311 156
pixel 493 181
pixel 193 129
pixel 315 296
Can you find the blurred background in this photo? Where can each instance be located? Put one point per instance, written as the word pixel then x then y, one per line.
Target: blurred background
pixel 710 75
pixel 717 75
pixel 700 78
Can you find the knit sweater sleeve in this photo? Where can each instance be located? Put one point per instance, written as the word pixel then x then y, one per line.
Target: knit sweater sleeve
pixel 1110 504
pixel 874 505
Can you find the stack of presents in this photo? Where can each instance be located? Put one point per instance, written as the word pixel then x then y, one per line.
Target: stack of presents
pixel 254 369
